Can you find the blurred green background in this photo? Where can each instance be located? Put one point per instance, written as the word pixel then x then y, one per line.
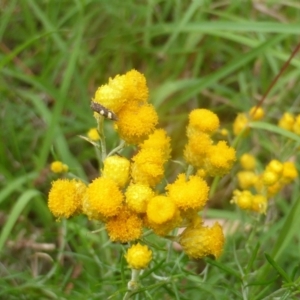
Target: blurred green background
pixel 221 55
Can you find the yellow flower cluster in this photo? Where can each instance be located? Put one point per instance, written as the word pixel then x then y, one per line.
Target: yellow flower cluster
pixel 290 122
pixel 124 197
pixel 241 121
pixel 257 188
pixel 127 96
pixel 199 241
pixel 200 150
pixel 59 167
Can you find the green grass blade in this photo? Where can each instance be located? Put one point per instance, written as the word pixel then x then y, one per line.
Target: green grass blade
pixel 21 203
pixel 280 271
pixel 16 185
pixel 276 129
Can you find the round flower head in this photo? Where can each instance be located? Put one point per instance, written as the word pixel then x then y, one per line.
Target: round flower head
pixel 242 199
pixel 158 140
pixel 93 134
pixel 200 241
pixel 117 168
pixel 224 132
pixel 287 121
pixel 289 172
pixel 220 159
pixel 104 197
pixel 130 87
pixel 248 162
pixel 65 197
pixel 136 88
pixel 148 166
pixel 110 97
pixel 259 204
pixel 138 256
pixel 58 167
pixel 138 196
pixel 275 166
pixel 202 120
pixel 160 209
pixel 126 226
pixel 191 193
pixel 240 124
pixel 246 179
pixel 269 177
pixel 197 149
pixel 91 214
pixel 256 113
pixel 136 122
pixel 164 228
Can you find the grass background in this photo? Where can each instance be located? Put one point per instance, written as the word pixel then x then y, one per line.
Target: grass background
pixel 220 55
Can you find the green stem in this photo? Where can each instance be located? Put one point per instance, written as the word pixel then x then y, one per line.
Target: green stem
pixel 100 120
pixel 118 148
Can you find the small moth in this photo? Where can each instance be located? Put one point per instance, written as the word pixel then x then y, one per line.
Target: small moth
pixel 103 111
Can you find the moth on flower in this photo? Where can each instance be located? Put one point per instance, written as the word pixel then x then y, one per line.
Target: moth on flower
pixel 103 111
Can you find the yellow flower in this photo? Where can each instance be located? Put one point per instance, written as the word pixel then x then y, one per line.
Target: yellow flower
pixel 296 126
pixel 274 189
pixel 224 132
pixel 246 179
pixel 240 123
pixel 91 214
pixel 117 168
pixel 289 172
pixel 158 140
pixel 202 120
pixel 287 121
pixel 136 122
pixel 104 197
pixel 138 256
pixel 130 87
pixel 269 177
pixel 200 241
pixel 256 113
pixel 58 167
pixel 160 209
pixel 138 196
pixel 148 166
pixel 126 226
pixel 220 159
pixel 248 162
pixel 275 166
pixel 191 193
pixel 197 149
pixel 137 89
pixel 65 197
pixel 201 173
pixel 93 134
pixel 247 201
pixel 259 204
pixel 242 199
pixel 164 228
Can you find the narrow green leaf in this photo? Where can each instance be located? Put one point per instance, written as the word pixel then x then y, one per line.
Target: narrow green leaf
pixel 275 129
pixel 252 258
pixel 15 213
pixel 15 185
pixel 224 268
pixel 280 271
